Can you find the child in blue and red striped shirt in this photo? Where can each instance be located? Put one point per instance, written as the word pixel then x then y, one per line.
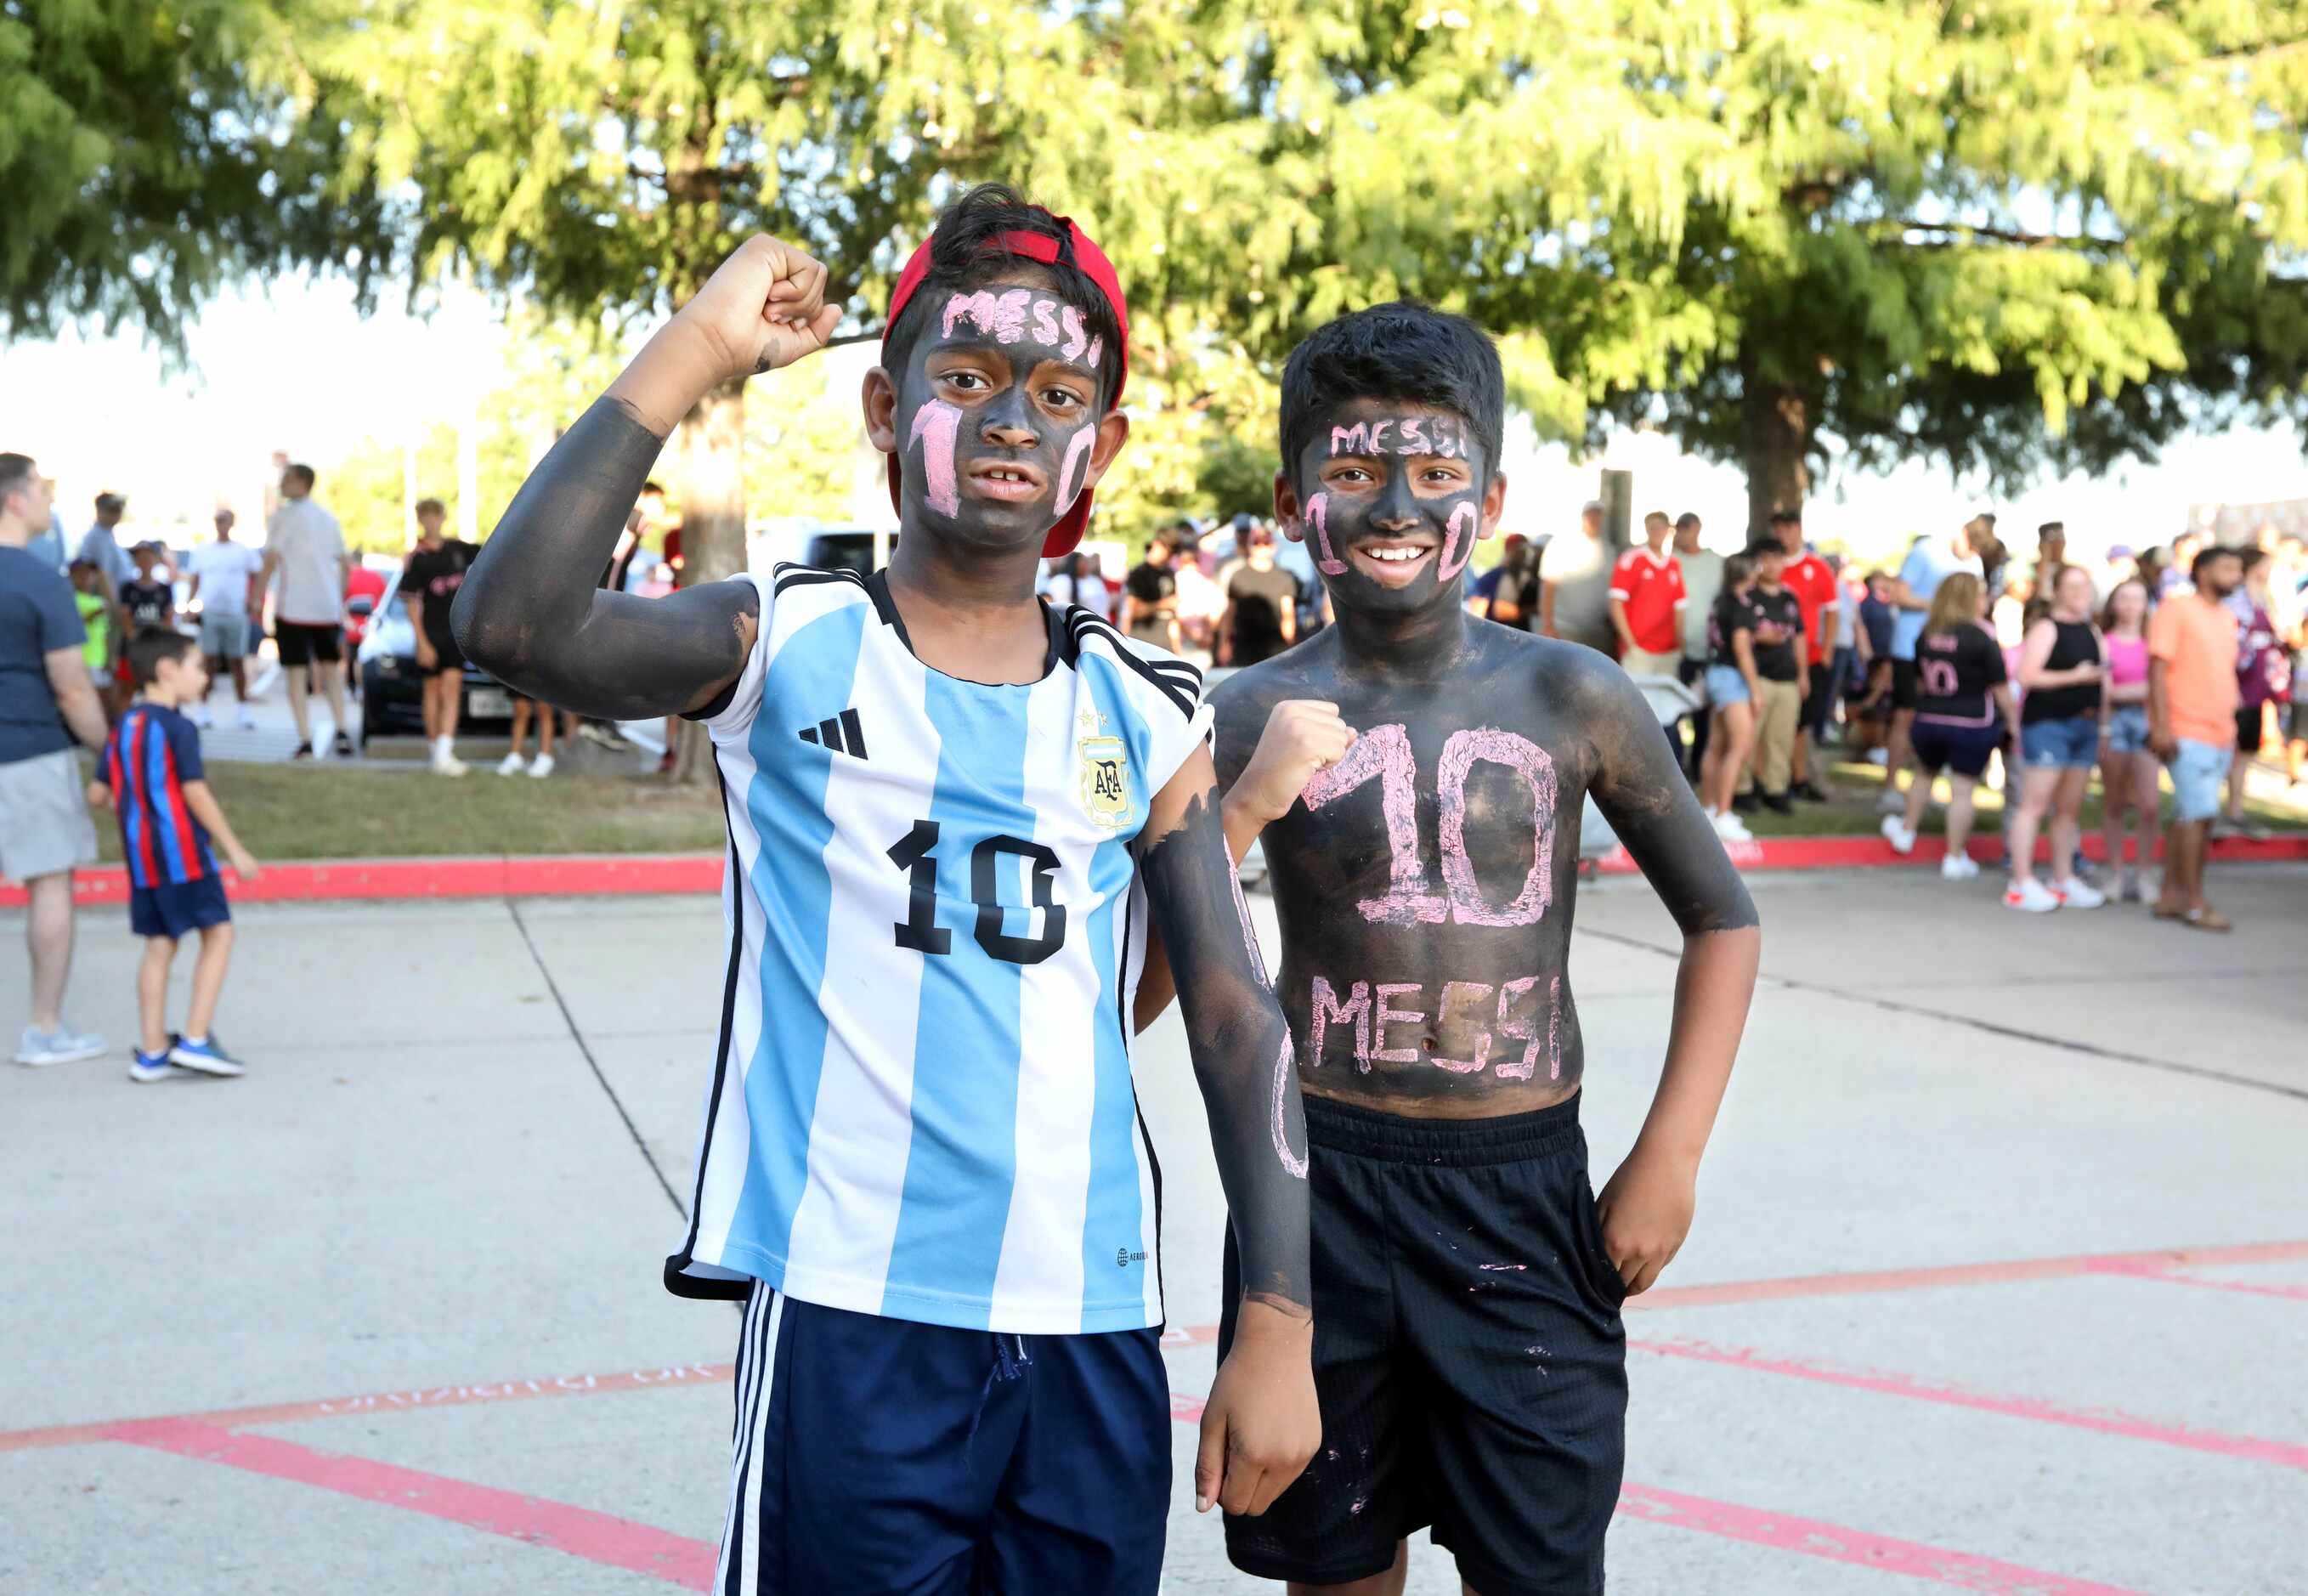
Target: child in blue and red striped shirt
pixel 153 775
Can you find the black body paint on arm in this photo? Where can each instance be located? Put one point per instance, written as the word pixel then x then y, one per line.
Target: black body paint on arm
pixel 532 612
pixel 1241 1047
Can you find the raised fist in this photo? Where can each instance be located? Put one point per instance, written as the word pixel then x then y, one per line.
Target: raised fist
pixel 763 308
pixel 1303 736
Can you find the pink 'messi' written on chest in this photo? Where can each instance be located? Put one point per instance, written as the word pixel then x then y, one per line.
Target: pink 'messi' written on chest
pixel 1483 1009
pixel 1442 436
pixel 1007 316
pixel 1383 752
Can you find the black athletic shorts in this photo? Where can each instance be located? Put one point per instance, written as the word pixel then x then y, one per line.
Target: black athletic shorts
pixel 1468 1355
pixel 301 644
pixel 1903 683
pixel 446 656
pixel 2248 728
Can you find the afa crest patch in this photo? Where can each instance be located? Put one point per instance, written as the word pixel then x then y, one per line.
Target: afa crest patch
pixel 1106 796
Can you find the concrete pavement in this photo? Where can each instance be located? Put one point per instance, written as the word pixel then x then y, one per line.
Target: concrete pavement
pixel 389 1304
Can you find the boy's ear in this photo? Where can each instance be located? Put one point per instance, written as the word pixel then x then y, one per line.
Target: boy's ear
pixel 1286 509
pixel 1495 503
pixel 879 397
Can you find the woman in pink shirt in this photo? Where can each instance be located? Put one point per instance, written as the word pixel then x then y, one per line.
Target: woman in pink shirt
pixel 2127 765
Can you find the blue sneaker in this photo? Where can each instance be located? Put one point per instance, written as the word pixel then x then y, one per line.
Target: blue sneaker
pixel 144 1068
pixel 206 1058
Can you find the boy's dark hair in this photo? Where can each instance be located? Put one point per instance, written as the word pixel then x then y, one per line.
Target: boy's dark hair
pixel 1738 568
pixel 1404 351
pixel 967 251
pixel 2206 555
pixel 435 505
pixel 304 473
pixel 2050 527
pixel 153 644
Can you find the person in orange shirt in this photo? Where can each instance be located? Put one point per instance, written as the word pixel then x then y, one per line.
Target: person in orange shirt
pixel 2192 706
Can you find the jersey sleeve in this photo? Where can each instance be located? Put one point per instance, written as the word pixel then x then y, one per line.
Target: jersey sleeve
pixel 730 717
pixel 185 747
pixel 1167 693
pixel 1623 576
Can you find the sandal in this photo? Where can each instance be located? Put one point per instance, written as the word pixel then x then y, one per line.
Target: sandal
pixel 2205 918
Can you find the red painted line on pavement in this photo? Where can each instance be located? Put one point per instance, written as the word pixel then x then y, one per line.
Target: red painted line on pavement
pixel 551 876
pixel 580 1531
pixel 1189 1336
pixel 2106 1422
pixel 2149 1271
pixel 1811 1539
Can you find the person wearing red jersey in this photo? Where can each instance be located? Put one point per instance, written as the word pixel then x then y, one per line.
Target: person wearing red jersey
pixel 1813 582
pixel 1646 602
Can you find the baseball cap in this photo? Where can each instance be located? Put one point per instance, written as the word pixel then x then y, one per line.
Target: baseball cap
pixel 1036 246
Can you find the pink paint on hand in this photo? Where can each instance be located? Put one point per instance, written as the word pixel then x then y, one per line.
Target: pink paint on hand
pixel 1384 752
pixel 1326 562
pixel 1077 447
pixel 1530 761
pixel 1387 1015
pixel 1455 553
pixel 1457 993
pixel 938 424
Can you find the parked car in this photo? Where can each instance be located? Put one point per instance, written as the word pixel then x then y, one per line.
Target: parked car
pixel 392 688
pixel 862 549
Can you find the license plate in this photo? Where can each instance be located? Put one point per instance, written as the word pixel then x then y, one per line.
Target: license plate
pixel 489 704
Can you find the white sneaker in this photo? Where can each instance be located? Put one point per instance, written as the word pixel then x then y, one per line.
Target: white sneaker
pixel 1879 756
pixel 2031 896
pixel 1732 829
pixel 541 766
pixel 1896 832
pixel 40 1049
pixel 2075 895
pixel 446 763
pixel 201 717
pixel 247 721
pixel 511 765
pixel 1958 867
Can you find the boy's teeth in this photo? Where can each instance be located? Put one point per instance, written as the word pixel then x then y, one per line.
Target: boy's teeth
pixel 1395 554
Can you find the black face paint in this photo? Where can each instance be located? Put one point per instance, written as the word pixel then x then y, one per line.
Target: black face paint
pixel 532 612
pixel 1241 1047
pixel 997 415
pixel 1426 886
pixel 1380 479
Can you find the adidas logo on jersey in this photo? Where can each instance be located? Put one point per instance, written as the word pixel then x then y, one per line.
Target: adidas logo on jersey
pixel 843 733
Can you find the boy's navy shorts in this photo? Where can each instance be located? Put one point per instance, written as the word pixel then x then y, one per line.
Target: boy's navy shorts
pixel 1468 1355
pixel 875 1454
pixel 177 909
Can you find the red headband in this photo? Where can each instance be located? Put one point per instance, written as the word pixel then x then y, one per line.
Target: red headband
pixel 1038 246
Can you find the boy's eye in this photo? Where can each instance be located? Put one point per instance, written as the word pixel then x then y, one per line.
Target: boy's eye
pixel 1060 399
pixel 964 380
pixel 1351 475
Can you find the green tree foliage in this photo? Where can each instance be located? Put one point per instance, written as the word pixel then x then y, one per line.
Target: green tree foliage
pixel 151 150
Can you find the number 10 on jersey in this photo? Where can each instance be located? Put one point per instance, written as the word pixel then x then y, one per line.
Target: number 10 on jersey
pixel 915 853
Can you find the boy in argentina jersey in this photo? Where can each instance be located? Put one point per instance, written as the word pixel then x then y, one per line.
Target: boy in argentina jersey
pixel 956 819
pixel 1418 777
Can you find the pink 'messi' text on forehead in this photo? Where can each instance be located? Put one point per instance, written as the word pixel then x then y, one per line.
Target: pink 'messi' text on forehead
pixel 1442 437
pixel 937 424
pixel 1317 506
pixel 1011 315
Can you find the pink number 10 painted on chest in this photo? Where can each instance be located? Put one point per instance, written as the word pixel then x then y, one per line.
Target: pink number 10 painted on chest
pixel 1383 752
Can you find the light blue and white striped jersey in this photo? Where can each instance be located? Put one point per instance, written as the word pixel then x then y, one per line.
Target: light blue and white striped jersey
pixel 922 1104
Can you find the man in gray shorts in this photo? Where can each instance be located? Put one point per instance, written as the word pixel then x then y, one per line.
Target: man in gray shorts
pixel 225 575
pixel 45 833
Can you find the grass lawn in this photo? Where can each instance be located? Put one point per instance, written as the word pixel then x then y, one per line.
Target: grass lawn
pixel 323 811
pixel 1856 786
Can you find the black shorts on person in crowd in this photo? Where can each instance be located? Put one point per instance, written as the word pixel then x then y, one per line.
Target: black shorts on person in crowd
pixel 2248 719
pixel 1963 749
pixel 446 658
pixel 1903 683
pixel 1820 701
pixel 1468 1355
pixel 301 644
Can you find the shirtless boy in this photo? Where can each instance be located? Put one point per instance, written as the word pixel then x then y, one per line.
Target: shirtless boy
pixel 1417 776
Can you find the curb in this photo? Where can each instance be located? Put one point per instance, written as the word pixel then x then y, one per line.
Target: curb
pixel 584 876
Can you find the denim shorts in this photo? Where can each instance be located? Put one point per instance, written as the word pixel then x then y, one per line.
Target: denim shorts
pixel 2198 769
pixel 2127 729
pixel 1726 685
pixel 2071 743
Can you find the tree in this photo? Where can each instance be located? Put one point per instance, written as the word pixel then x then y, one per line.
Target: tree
pixel 151 153
pixel 2002 234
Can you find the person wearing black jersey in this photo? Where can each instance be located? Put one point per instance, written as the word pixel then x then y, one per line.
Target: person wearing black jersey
pixel 2063 667
pixel 1963 713
pixel 1730 697
pixel 1780 679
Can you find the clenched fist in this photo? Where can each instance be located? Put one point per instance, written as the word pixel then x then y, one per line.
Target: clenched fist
pixel 762 308
pixel 1303 736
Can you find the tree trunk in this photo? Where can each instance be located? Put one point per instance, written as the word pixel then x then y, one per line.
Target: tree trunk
pixel 1775 423
pixel 712 527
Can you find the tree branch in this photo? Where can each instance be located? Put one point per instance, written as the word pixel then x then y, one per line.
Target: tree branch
pixel 1955 234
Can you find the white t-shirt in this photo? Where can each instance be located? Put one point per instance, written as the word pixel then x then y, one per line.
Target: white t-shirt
pixel 312 550
pixel 224 570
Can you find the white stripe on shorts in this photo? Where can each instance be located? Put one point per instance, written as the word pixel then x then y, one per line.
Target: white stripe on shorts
pixel 738 1569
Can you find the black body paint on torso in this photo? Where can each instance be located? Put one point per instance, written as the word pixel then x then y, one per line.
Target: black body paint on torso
pixel 531 615
pixel 1241 1047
